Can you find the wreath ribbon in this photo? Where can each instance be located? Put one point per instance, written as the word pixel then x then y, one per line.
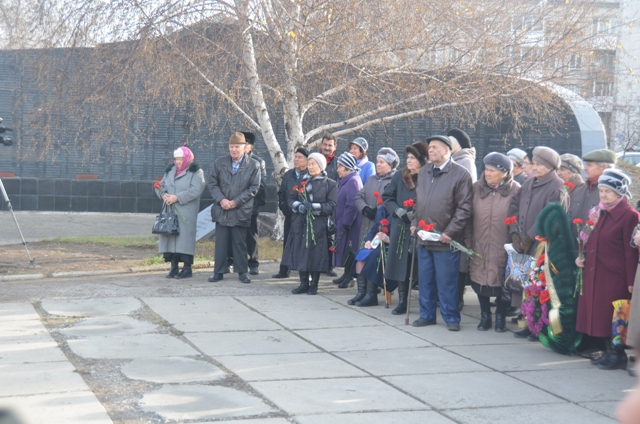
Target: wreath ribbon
pixel 554 313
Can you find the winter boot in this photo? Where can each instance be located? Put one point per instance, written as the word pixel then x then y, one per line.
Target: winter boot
pixel 371 297
pixel 186 272
pixel 485 321
pixel 313 285
pixel 304 283
pixel 348 282
pixel 174 268
pixel 597 360
pixel 617 359
pixel 362 290
pixel 501 323
pixel 403 291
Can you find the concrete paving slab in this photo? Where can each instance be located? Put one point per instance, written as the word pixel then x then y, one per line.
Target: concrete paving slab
pixel 325 318
pixel 130 347
pixel 29 349
pixel 520 357
pixel 13 329
pixel 370 338
pixel 396 417
pixel 591 384
pixel 423 360
pixel 195 402
pixel 467 336
pixel 605 408
pixel 194 305
pixel 246 320
pixel 288 366
pixel 47 377
pixel 172 370
pixel 108 326
pixel 249 343
pixel 17 312
pixel 290 303
pixel 255 421
pixel 335 395
pixel 553 414
pixel 80 407
pixel 471 390
pixel 92 307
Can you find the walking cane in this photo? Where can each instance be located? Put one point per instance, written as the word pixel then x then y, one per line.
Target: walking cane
pixel 413 258
pixel 24 242
pixel 384 280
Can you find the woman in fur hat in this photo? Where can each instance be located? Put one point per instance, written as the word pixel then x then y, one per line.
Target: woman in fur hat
pixel 401 188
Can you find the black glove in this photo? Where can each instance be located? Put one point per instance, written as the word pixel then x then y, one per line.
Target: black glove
pixel 516 242
pixel 307 206
pixel 526 244
pixel 302 208
pixel 347 228
pixel 406 219
pixel 369 213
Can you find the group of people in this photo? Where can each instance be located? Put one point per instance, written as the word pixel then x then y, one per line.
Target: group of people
pixel 434 220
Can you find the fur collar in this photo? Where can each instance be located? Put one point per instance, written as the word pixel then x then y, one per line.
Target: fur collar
pixel 194 167
pixel 409 179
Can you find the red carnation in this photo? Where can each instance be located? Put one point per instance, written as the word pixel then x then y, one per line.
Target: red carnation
pixel 379 200
pixel 295 188
pixel 384 222
pixel 544 296
pixel 409 203
pixel 384 230
pixel 376 194
pixel 507 221
pixel 157 185
pixel 428 227
pixel 569 185
pixel 301 190
pixel 421 223
pixel 577 221
pixel 591 223
pixel 303 183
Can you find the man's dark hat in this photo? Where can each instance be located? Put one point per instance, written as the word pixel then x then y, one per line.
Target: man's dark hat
pixel 461 136
pixel 441 138
pixel 303 151
pixel 250 137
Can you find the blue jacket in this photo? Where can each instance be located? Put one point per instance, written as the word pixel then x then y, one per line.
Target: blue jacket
pixel 367 169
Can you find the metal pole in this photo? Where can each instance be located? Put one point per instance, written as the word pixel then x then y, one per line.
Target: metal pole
pixel 413 257
pixel 24 242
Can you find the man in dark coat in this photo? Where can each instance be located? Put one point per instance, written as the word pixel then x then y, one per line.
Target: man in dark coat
pixel 234 182
pixel 328 149
pixel 444 200
pixel 570 169
pixel 289 180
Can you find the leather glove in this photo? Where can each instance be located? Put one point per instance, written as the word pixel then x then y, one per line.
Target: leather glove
pixel 526 244
pixel 406 219
pixel 302 208
pixel 369 213
pixel 515 240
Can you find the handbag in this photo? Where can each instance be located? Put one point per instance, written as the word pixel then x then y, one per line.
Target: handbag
pixel 331 226
pixel 518 268
pixel 166 223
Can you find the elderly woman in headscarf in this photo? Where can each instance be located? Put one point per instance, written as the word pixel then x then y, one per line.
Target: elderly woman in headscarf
pixel 402 188
pixel 312 201
pixel 348 220
pixel 181 187
pixel 491 196
pixel 609 264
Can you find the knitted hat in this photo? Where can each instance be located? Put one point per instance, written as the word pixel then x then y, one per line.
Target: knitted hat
pixel 616 181
pixel 602 155
pixel 461 136
pixel 419 150
pixel 498 161
pixel 178 153
pixel 348 161
pixel 303 151
pixel 319 159
pixel 442 138
pixel 237 138
pixel 360 141
pixel 572 162
pixel 249 137
pixel 389 156
pixel 517 155
pixel 547 157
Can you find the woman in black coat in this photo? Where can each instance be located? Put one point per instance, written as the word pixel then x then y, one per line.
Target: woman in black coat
pixel 312 202
pixel 402 187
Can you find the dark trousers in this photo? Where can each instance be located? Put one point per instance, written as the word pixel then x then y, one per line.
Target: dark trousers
pixel 438 280
pixel 252 244
pixel 485 305
pixel 231 240
pixel 287 227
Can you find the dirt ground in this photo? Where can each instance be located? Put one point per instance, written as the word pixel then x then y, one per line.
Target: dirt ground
pixel 63 257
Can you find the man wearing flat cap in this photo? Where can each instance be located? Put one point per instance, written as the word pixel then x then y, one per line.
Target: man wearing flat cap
pixel 537 192
pixel 234 182
pixel 289 180
pixel 569 172
pixel 444 198
pixel 586 197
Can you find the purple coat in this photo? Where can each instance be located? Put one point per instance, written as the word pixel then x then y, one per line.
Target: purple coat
pixel 346 214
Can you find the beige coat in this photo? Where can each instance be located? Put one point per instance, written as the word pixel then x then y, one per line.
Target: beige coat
pixel 490 233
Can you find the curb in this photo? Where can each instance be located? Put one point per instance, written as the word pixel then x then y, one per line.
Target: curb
pixel 20 277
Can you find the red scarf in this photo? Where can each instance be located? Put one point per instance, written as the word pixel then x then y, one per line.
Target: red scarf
pixel 330 158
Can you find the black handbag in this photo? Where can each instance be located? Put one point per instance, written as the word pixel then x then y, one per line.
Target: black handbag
pixel 331 225
pixel 166 223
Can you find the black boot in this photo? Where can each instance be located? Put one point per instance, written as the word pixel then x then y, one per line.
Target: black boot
pixel 362 290
pixel 617 359
pixel 304 283
pixel 501 323
pixel 522 334
pixel 348 282
pixel 462 284
pixel 485 321
pixel 313 285
pixel 371 297
pixel 174 268
pixel 403 291
pixel 186 272
pixel 340 279
pixel 597 359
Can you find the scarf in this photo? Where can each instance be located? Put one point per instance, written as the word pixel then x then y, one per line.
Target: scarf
pixel 187 160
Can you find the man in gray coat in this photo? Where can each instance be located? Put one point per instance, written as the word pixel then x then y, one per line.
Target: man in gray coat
pixel 234 182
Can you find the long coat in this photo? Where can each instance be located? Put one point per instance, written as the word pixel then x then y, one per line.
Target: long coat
pixel 241 187
pixel 394 195
pixel 489 232
pixel 583 199
pixel 365 197
pixel 301 252
pixel 346 214
pixel 609 269
pixel 188 187
pixel 633 332
pixel 529 201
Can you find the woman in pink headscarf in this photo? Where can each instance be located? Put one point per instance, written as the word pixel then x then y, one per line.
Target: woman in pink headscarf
pixel 181 188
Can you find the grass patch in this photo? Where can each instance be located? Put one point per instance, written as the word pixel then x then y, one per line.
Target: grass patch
pixel 111 241
pixel 153 260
